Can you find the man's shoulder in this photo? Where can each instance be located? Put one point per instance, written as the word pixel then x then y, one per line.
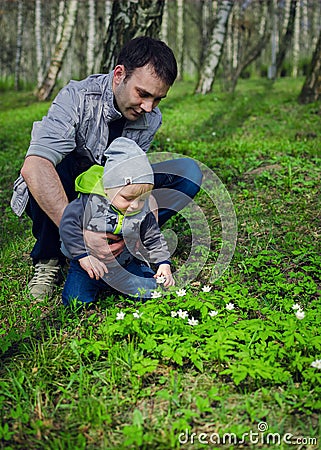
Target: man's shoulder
pixel 94 84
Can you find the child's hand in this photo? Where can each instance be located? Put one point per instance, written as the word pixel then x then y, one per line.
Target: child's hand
pixel 164 270
pixel 93 266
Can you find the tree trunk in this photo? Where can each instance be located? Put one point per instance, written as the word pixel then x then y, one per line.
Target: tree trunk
pixel 215 48
pixel 296 41
pixel 38 34
pixel 286 38
pixel 253 51
pixel 56 62
pixel 130 19
pixel 274 41
pixel 311 90
pixel 91 36
pixel 180 39
pixel 18 45
pixel 165 18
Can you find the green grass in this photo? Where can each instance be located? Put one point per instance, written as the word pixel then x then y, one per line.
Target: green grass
pixel 81 379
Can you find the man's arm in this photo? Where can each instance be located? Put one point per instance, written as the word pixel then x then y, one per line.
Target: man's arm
pixel 45 186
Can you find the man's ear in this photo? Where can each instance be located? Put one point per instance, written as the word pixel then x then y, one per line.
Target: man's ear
pixel 119 74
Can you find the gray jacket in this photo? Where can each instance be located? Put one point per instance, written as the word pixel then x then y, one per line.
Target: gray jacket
pixel 78 120
pixel 95 213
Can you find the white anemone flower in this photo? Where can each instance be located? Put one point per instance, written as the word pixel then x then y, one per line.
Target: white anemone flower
pixel 300 314
pixel 181 292
pixel 192 322
pixel 156 294
pixel 160 280
pixel 206 288
pixel 120 315
pixel 316 364
pixel 213 313
pixel 296 306
pixel 182 314
pixel 230 306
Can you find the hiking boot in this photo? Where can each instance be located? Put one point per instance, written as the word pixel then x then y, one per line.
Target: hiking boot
pixel 46 277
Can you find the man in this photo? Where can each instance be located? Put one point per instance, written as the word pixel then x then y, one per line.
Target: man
pixel 85 117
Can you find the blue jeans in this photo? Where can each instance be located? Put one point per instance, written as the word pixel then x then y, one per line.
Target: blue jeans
pixel 135 279
pixel 176 183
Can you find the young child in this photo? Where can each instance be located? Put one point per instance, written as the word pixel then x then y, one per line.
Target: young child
pixel 114 199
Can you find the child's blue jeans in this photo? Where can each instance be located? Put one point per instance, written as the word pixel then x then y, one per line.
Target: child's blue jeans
pixel 135 279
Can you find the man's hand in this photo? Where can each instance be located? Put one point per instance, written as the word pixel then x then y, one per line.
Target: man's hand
pixel 94 267
pixel 164 270
pixel 98 245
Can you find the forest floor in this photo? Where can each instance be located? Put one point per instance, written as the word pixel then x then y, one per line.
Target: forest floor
pixel 231 357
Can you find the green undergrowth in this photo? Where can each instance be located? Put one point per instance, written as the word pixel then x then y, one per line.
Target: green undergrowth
pixel 230 357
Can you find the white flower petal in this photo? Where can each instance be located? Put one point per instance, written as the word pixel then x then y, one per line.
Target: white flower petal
pixel 206 288
pixel 230 306
pixel 300 314
pixel 316 364
pixel 181 293
pixel 192 322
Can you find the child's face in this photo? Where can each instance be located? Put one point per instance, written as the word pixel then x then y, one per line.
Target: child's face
pixel 130 198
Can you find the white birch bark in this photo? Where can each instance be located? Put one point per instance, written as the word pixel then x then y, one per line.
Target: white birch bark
pixel 57 58
pixel 274 42
pixel 18 44
pixel 287 7
pixel 215 48
pixel 108 10
pixel 235 36
pixel 296 41
pixel 180 39
pixel 305 25
pixel 165 18
pixel 91 36
pixel 60 21
pixel 38 35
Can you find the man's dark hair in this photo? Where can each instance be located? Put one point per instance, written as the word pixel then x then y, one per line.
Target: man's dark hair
pixel 145 50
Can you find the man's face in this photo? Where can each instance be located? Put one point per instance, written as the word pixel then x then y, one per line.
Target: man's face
pixel 138 94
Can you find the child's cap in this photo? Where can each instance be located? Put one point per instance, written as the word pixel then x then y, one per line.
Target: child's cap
pixel 126 163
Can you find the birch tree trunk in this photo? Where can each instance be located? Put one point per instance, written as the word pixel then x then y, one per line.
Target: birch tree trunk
pixel 286 39
pixel 311 90
pixel 180 39
pixel 296 41
pixel 129 19
pixel 57 59
pixel 108 10
pixel 38 34
pixel 60 21
pixel 164 28
pixel 274 42
pixel 215 48
pixel 252 48
pixel 91 36
pixel 18 45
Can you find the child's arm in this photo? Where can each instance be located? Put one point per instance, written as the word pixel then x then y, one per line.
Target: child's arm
pixel 164 270
pixel 93 266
